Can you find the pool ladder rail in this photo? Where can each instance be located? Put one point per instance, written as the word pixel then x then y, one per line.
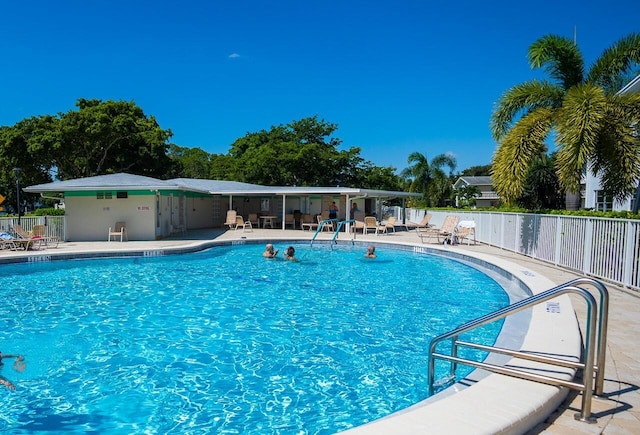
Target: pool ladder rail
pixel 337 231
pixel 593 352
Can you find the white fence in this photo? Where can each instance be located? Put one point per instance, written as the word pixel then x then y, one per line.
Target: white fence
pixel 54 225
pixel 603 248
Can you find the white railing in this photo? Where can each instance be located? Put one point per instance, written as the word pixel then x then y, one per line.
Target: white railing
pixel 55 226
pixel 603 248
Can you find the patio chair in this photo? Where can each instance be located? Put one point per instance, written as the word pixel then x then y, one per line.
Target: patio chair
pixel 465 230
pixel 446 231
pixel 358 217
pixel 326 226
pixel 370 224
pixel 390 224
pixel 119 230
pixel 231 219
pixel 289 220
pixel 253 218
pixel 241 223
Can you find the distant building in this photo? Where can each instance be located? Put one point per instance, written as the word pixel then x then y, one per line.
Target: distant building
pixel 592 195
pixel 488 197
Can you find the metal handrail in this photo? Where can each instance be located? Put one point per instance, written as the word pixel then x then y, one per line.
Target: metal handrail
pixel 320 225
pixel 588 366
pixel 340 224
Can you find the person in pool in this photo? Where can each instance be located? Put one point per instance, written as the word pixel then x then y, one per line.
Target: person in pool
pixel 371 252
pixel 290 254
pixel 18 365
pixel 269 252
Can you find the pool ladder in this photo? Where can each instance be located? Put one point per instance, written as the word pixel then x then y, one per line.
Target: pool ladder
pixel 591 351
pixel 337 231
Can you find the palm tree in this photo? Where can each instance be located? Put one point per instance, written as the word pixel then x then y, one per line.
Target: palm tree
pixel 429 178
pixel 593 126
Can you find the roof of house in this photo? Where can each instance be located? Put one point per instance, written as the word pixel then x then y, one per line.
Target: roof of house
pixel 473 181
pixel 214 187
pixel 633 87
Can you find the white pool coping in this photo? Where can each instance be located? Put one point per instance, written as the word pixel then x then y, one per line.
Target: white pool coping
pixel 495 404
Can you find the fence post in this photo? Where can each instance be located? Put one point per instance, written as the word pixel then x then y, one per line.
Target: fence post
pixel 587 246
pixel 629 254
pixel 556 257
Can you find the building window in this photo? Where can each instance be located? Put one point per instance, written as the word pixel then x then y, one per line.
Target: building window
pixel 104 195
pixel 122 195
pixel 603 202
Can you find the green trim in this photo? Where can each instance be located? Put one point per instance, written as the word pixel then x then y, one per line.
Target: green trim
pixel 94 193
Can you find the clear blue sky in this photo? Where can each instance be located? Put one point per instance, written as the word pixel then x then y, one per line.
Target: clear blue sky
pixel 396 76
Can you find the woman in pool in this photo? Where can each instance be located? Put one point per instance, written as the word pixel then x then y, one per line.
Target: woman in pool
pixel 290 254
pixel 269 252
pixel 371 252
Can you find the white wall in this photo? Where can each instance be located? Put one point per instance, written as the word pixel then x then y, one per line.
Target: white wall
pixel 89 219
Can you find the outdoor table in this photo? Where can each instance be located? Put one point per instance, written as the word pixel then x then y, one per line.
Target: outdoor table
pixel 267 220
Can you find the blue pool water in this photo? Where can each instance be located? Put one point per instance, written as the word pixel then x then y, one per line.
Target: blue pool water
pixel 225 341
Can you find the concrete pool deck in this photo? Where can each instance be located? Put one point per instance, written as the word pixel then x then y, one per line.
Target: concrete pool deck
pixel 617 412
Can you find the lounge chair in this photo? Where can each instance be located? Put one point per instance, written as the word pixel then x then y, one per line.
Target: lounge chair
pixel 8 241
pixel 40 231
pixel 241 223
pixel 308 222
pixel 26 240
pixel 446 231
pixel 390 224
pixel 119 230
pixel 231 219
pixel 422 226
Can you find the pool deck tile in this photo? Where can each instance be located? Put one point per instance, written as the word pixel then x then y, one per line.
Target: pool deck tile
pixel 617 412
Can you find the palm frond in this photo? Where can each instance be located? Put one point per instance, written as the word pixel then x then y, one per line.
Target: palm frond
pixel 614 62
pixel 519 147
pixel 580 122
pixel 523 98
pixel 560 57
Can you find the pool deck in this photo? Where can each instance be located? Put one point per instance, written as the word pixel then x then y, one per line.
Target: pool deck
pixel 617 412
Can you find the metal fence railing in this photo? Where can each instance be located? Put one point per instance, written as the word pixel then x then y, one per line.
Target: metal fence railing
pixel 54 225
pixel 600 247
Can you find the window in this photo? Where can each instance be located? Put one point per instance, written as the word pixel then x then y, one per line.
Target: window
pixel 603 202
pixel 122 195
pixel 104 195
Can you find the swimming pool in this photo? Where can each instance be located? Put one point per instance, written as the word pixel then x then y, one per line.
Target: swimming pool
pixel 226 341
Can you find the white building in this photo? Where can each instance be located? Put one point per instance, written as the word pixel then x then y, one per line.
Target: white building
pixel 593 197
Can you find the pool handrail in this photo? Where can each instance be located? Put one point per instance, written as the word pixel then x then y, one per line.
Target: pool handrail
pixel 588 367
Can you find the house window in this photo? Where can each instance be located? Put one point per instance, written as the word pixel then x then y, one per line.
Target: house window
pixel 104 195
pixel 264 205
pixel 603 202
pixel 122 195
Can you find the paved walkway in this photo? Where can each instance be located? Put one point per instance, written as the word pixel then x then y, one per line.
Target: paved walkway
pixel 618 412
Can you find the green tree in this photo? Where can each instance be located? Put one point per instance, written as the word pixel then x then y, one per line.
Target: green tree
pixel 108 137
pixel 467 195
pixel 542 188
pixel 593 125
pixel 477 171
pixel 20 148
pixel 301 153
pixel 429 178
pixel 189 162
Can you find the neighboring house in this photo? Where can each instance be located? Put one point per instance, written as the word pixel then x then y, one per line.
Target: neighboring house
pixel 488 197
pixel 153 209
pixel 593 197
